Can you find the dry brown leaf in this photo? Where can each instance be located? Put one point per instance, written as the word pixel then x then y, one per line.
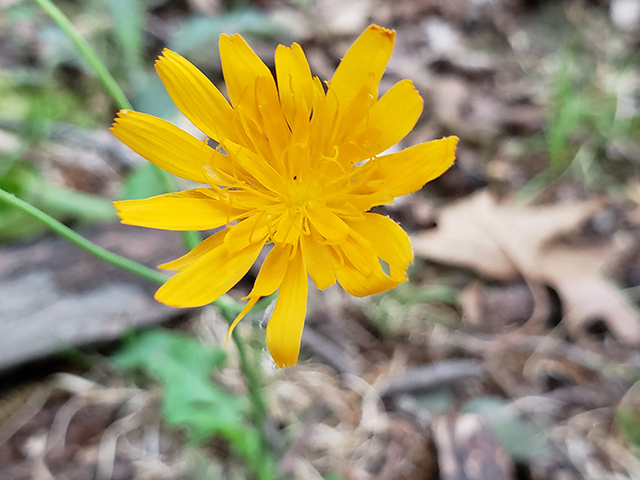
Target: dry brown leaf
pixel 463 238
pixel 505 242
pixel 497 241
pixel 587 297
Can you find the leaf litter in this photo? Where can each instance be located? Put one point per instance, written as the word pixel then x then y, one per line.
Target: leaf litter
pixel 512 352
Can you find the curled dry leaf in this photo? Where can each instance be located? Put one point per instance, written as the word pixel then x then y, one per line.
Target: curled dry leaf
pixel 506 242
pixel 591 302
pixel 496 241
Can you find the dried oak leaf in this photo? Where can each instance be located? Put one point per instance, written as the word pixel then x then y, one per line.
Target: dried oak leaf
pixel 506 242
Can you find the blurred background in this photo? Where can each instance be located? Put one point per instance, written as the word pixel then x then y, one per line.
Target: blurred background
pixel 512 352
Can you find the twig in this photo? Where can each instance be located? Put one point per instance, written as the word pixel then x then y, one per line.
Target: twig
pixel 29 409
pixel 433 376
pixel 332 355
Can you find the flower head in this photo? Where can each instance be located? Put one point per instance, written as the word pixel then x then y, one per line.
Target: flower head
pixel 298 165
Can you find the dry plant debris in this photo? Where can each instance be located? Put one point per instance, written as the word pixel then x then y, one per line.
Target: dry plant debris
pixel 513 351
pixel 506 242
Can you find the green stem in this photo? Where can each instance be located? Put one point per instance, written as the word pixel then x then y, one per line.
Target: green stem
pixel 190 239
pixel 228 306
pixel 89 55
pixel 82 242
pixel 229 311
pixel 253 382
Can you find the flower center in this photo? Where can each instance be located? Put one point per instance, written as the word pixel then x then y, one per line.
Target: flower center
pixel 301 192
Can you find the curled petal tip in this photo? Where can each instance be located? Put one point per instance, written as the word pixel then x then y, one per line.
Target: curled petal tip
pixel 165 53
pixel 384 31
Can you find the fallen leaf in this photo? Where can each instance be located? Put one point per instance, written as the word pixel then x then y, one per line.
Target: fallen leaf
pixel 506 242
pixel 499 242
pixel 588 298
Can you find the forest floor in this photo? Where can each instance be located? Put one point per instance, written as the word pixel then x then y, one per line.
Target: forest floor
pixel 511 353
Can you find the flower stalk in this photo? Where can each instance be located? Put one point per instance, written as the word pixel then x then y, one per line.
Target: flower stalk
pixel 226 304
pixel 190 239
pixel 87 53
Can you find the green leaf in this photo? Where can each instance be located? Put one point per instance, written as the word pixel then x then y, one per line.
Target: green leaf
pixel 183 367
pixel 143 182
pixel 128 19
pixel 60 202
pixel 155 350
pixel 522 439
pixel 197 32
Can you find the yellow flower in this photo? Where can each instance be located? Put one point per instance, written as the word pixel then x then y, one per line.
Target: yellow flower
pixel 297 166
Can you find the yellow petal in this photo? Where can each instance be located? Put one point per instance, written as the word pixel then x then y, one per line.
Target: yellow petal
pixel 388 239
pixel 295 83
pixel 364 63
pixel 408 170
pixel 197 98
pixel 284 329
pixel 390 119
pixel 365 200
pixel 325 113
pixel 320 259
pixel 248 199
pixel 241 68
pixel 164 144
pixel 351 118
pixel 328 224
pixel 361 285
pixel 198 251
pixel 297 159
pixel 289 227
pixel 360 253
pixel 263 173
pixel 188 210
pixel 272 119
pixel 209 277
pixel 253 229
pixel 250 304
pixel 268 280
pixel 272 271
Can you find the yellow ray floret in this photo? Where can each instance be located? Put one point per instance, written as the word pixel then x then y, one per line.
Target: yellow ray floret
pixel 298 166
